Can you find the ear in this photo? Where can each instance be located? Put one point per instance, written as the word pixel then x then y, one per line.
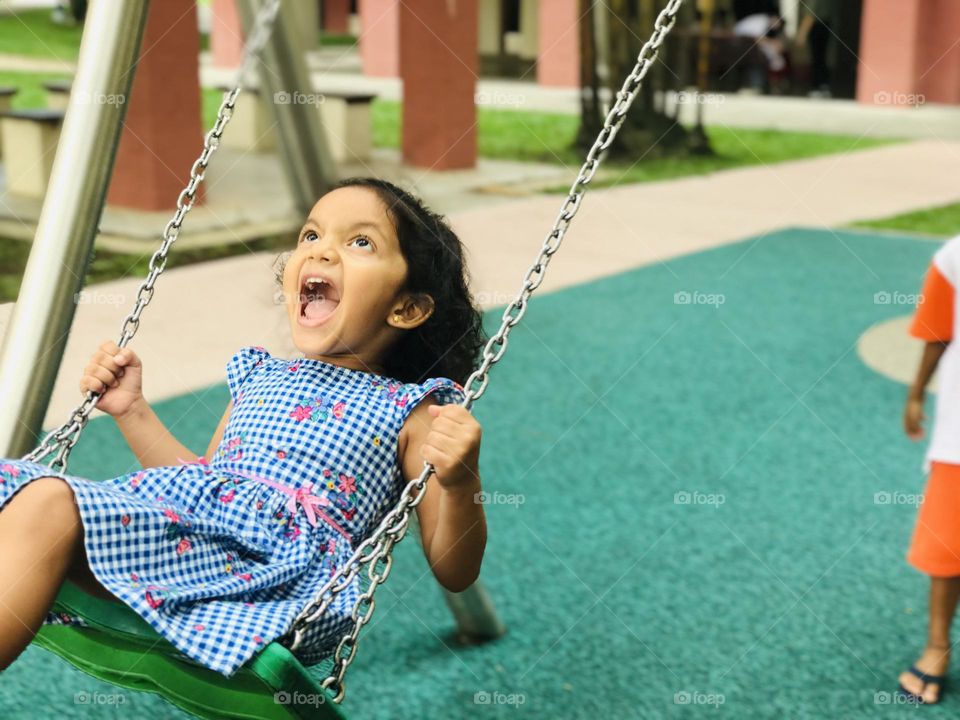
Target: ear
pixel 412 311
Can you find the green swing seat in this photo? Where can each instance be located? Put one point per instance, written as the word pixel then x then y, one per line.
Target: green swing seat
pixel 121 648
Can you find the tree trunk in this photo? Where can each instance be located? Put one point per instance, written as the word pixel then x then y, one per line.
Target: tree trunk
pixel 591 117
pixel 646 131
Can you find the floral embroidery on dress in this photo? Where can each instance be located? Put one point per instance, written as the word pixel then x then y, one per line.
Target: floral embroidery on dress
pixel 400 393
pixel 201 461
pixel 155 595
pixel 8 471
pixel 135 480
pixel 318 410
pixel 344 490
pixel 233 446
pixel 327 561
pixel 228 496
pixel 230 569
pixel 392 389
pixel 292 532
pixel 177 531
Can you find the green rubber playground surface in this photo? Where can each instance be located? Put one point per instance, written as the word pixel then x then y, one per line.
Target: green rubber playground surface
pixel 690 474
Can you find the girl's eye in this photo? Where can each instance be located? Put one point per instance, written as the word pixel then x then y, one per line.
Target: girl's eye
pixel 307 235
pixel 363 239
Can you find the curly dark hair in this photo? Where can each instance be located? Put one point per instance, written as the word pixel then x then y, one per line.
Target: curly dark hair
pixel 449 342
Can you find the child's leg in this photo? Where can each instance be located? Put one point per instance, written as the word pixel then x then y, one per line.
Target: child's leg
pixel 40 531
pixel 944 593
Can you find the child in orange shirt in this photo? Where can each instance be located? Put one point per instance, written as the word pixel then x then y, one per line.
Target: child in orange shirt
pixel 935 546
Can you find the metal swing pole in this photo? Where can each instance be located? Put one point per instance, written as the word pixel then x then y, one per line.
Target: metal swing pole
pixel 34 343
pixel 472 609
pixel 285 86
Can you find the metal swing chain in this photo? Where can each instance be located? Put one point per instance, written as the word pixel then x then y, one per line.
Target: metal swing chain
pixel 66 436
pixel 393 527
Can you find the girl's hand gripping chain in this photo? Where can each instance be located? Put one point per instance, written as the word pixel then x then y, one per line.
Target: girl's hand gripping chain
pixel 453 448
pixel 117 373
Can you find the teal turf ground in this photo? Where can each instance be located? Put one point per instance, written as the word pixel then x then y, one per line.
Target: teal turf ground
pixel 699 533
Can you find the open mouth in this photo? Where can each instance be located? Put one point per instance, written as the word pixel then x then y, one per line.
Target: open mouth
pixel 319 298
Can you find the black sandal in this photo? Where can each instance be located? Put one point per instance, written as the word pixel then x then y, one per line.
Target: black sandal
pixel 940 680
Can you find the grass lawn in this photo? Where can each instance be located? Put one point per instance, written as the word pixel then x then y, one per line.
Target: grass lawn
pixel 943 221
pixel 33 33
pixel 106 265
pixel 31 93
pixel 547 137
pixel 336 39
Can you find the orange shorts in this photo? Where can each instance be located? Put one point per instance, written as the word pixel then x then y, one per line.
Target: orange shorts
pixel 935 548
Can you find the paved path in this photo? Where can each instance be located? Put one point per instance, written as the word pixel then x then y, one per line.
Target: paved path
pixel 616 230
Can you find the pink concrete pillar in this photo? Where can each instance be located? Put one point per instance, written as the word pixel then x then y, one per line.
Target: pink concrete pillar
pixel 438 64
pixel 226 34
pixel 909 53
pixel 380 37
pixel 939 68
pixel 558 39
pixel 162 134
pixel 336 15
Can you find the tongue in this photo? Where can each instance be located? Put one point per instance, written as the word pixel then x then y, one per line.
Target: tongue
pixel 320 309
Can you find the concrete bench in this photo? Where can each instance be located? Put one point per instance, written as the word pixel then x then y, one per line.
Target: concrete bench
pixel 30 140
pixel 345 116
pixel 58 94
pixel 6 99
pixel 251 127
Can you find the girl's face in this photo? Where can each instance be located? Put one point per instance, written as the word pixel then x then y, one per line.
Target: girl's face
pixel 354 309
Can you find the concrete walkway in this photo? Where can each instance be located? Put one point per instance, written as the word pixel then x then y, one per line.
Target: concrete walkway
pixel 616 230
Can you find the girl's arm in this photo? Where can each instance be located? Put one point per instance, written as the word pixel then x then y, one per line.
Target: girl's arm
pixel 149 438
pixel 117 374
pixel 913 413
pixel 453 527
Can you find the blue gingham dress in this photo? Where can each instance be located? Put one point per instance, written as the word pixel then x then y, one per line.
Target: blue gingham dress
pixel 217 561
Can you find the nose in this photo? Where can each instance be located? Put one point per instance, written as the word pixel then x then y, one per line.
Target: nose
pixel 322 250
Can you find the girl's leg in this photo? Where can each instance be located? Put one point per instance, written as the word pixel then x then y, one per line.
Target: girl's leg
pixel 944 593
pixel 41 544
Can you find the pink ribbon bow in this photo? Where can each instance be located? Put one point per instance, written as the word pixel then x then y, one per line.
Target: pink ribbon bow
pixel 310 503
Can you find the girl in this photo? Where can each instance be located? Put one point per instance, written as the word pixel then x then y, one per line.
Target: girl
pixel 220 554
pixel 935 548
